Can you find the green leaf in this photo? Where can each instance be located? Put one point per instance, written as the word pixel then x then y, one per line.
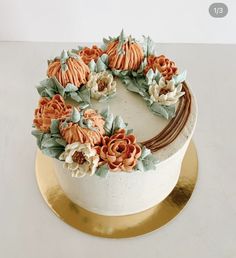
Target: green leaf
pixel 102 171
pixel 133 88
pixel 167 112
pixel 75 116
pixel 118 123
pixel 180 78
pixel 75 96
pixel 108 124
pixel 60 88
pixel 54 128
pixel 84 93
pixel 104 58
pixel 150 76
pixel 92 66
pixel 129 131
pixel 145 153
pixel 139 166
pixel 64 55
pixel 70 87
pixel 61 142
pixel 100 66
pixel 149 47
pixel 48 143
pixel 53 152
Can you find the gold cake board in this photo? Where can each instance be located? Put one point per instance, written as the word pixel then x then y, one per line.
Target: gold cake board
pixel 117 226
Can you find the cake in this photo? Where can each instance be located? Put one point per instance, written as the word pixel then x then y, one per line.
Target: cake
pixel 117 120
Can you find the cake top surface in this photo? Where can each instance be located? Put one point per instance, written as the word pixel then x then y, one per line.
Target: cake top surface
pixel 91 93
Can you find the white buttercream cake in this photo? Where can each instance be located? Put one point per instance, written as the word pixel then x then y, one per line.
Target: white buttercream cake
pixel 91 99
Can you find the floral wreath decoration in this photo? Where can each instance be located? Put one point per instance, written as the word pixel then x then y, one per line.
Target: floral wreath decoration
pixel 89 142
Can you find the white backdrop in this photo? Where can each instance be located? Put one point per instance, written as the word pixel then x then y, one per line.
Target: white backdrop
pixel 87 21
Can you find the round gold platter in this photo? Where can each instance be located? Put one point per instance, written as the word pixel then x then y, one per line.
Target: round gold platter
pixel 117 226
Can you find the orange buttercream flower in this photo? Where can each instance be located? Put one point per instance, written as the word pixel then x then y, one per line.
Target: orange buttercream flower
pixel 161 63
pixel 89 54
pixel 49 109
pixel 131 59
pixel 72 132
pixel 120 151
pixel 77 72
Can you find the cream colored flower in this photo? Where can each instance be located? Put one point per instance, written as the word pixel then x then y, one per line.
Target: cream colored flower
pixel 165 92
pixel 101 85
pixel 80 159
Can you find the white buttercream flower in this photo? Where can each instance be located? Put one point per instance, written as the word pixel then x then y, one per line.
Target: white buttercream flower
pixel 80 159
pixel 101 84
pixel 165 92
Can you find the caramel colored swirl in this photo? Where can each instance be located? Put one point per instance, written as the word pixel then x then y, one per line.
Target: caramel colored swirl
pixel 77 72
pixel 72 132
pixel 130 60
pixel 88 54
pixel 175 126
pixel 120 151
pixel 161 63
pixel 49 109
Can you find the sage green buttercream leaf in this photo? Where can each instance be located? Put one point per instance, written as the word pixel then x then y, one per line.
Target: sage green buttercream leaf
pixel 104 58
pixel 159 110
pixel 165 111
pixel 48 143
pixel 139 166
pixel 39 136
pixel 75 96
pixel 83 105
pixel 133 88
pixel 122 40
pixel 102 171
pixel 150 76
pixel 100 66
pixel 70 87
pixel 180 77
pixel 50 93
pixel 85 94
pixel 60 88
pixel 129 131
pixel 118 123
pixel 61 142
pixel 108 124
pixel 41 90
pixel 92 66
pixel 149 47
pixel 75 116
pixel 171 110
pixel 145 152
pixel 54 128
pixel 64 55
pixel 105 112
pixel 53 152
pixel 107 97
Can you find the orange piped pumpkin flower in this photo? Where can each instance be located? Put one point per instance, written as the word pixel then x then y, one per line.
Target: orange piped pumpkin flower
pixel 77 72
pixel 49 109
pixel 161 63
pixel 131 59
pixel 72 132
pixel 120 151
pixel 88 54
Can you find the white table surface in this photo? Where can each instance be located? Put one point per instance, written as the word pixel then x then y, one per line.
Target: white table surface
pixel 205 228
